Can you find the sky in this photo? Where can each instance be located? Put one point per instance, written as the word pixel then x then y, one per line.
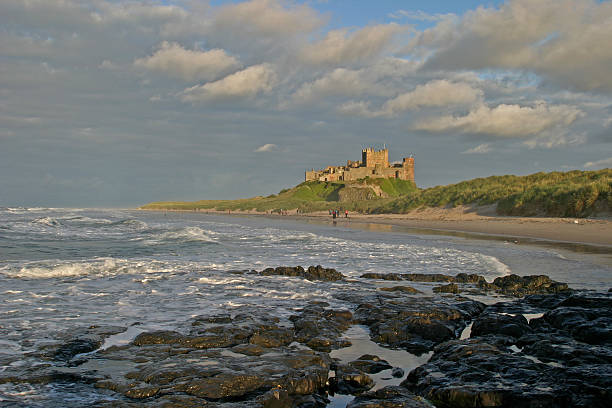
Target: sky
pixel 107 103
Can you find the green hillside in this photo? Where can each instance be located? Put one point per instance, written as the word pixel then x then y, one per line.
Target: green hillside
pixel 556 194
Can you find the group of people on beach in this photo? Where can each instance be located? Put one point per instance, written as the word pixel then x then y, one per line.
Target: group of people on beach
pixel 336 213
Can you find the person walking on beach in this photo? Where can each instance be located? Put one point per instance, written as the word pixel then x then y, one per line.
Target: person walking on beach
pixel 345 213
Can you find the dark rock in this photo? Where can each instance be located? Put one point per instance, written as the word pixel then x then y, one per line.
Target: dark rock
pixel 350 380
pixel 312 273
pixel 500 324
pixel 450 288
pixel 397 372
pixel 224 385
pixel 389 397
pixel 370 364
pixel 515 285
pixel 77 346
pixel 426 277
pixel 158 337
pixel 549 365
pixel 320 329
pixel 416 324
pixel 275 398
pixel 404 289
pixel 383 276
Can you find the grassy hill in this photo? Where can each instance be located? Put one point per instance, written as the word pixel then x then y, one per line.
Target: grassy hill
pixel 556 194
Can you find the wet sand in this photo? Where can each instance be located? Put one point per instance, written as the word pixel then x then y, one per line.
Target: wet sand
pixel 473 220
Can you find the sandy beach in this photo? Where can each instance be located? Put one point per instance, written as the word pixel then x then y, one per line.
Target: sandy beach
pixel 474 220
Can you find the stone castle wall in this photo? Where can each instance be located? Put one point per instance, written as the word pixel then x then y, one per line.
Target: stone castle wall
pixel 374 164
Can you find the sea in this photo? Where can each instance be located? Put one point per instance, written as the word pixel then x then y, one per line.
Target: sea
pixel 65 269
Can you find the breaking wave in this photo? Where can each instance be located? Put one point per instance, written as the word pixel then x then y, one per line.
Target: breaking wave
pixel 188 234
pixel 94 268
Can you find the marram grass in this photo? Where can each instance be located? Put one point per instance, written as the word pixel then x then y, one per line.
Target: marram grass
pixel 557 194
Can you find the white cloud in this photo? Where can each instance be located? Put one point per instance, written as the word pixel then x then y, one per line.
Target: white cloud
pixel 268 18
pixel 480 149
pixel 435 94
pixel 177 62
pixel 358 108
pixel 561 40
pixel 240 85
pixel 268 147
pixel 603 163
pixel 342 46
pixel 340 81
pixel 510 121
pixel 420 15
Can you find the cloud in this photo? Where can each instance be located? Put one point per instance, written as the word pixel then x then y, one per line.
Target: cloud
pixel 603 163
pixel 561 40
pixel 434 94
pixel 358 108
pixel 268 18
pixel 506 121
pixel 420 15
pixel 177 62
pixel 340 81
pixel 268 147
pixel 240 85
pixel 480 149
pixel 342 46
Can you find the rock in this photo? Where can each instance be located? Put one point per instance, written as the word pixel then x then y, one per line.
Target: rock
pixel 404 289
pixel 383 276
pixel 349 380
pixel 500 324
pixel 312 273
pixel 389 397
pixel 416 324
pixel 320 328
pixel 226 384
pixel 549 364
pixel 515 285
pixel 450 288
pixel 426 277
pixel 370 364
pixel 158 337
pixel 397 372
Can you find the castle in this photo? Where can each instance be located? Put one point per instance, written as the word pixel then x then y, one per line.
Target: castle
pixel 373 164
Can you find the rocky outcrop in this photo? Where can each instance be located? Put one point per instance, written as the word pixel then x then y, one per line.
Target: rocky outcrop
pixel 320 328
pixel 370 364
pixel 312 273
pixel 514 285
pixel 389 397
pixel 450 288
pixel 416 324
pixel 401 288
pixel 548 362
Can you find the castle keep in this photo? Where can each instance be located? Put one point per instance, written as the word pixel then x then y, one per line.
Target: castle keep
pixel 373 164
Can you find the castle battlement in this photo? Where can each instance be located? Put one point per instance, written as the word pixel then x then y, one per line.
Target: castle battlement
pixel 373 164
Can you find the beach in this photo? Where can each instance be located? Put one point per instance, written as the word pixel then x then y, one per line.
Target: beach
pixel 473 220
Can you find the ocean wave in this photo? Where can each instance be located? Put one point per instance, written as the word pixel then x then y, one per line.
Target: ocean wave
pixel 48 221
pixel 188 234
pixel 94 268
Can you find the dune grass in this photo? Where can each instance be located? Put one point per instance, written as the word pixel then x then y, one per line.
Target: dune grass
pixel 557 194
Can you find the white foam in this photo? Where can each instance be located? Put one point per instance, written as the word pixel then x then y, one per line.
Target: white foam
pixel 188 234
pixel 95 268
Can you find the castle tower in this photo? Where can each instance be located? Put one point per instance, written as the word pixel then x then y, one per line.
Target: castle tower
pixel 408 167
pixel 371 157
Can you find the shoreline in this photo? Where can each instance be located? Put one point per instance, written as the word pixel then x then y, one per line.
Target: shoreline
pixel 476 221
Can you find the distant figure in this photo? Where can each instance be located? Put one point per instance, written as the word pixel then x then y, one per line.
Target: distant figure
pixel 334 214
pixel 345 213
